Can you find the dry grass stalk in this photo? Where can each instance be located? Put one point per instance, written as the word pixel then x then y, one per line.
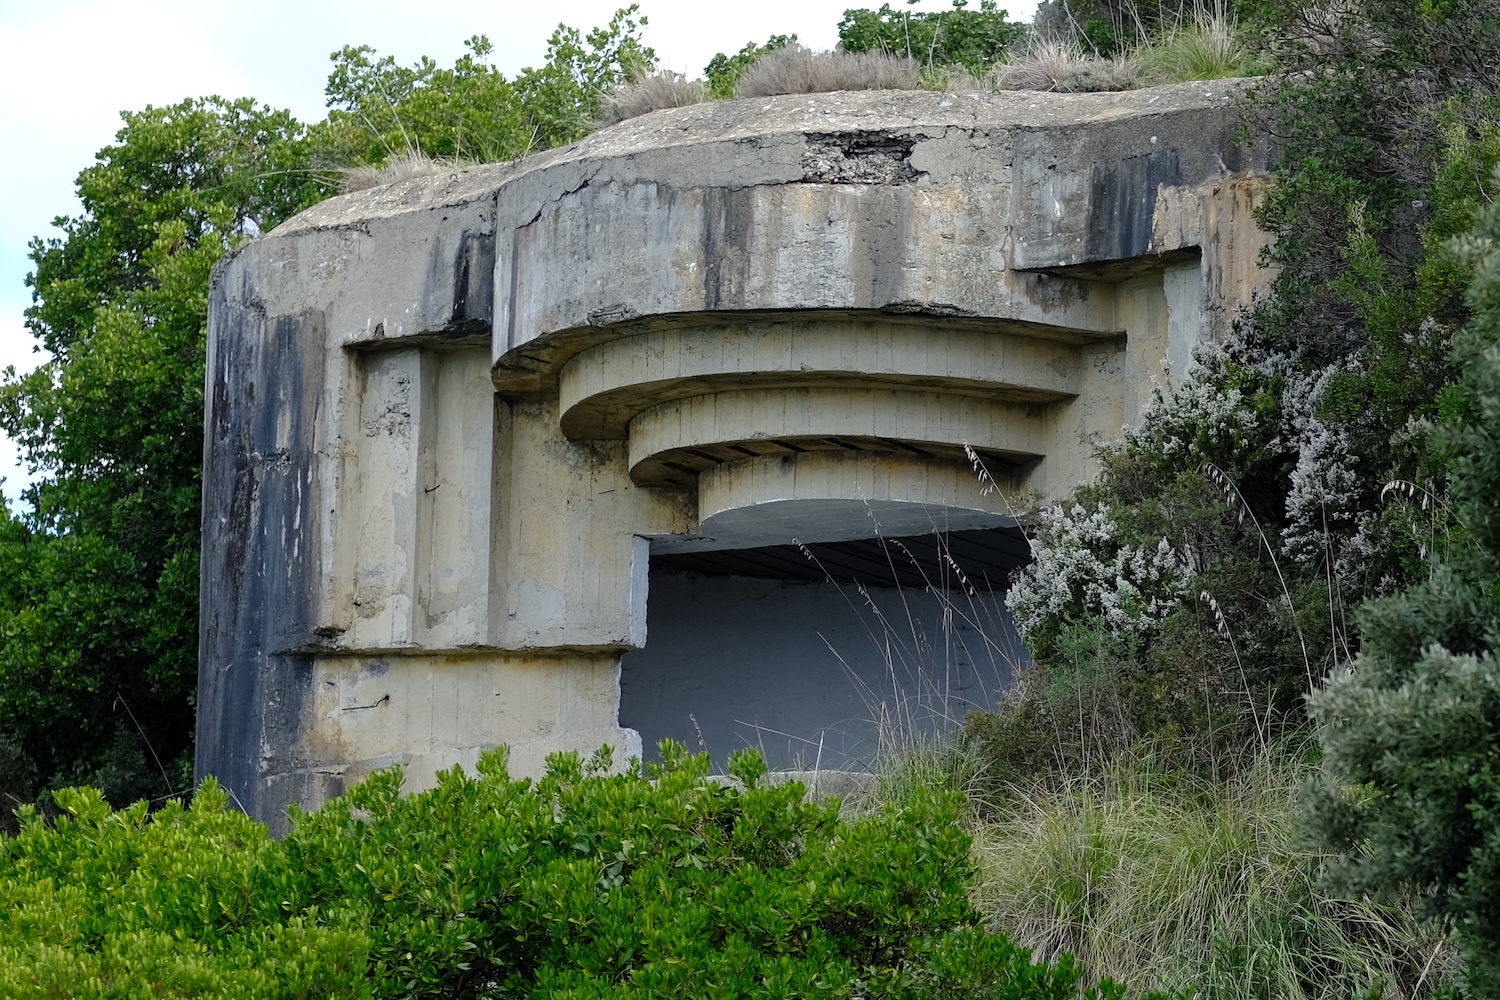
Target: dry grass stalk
pixel 653 93
pixel 398 168
pixel 1059 64
pixel 797 70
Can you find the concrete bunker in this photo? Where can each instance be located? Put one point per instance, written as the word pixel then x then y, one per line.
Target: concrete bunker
pixel 509 456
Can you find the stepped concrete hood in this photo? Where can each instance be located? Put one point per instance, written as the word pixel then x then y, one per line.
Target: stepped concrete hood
pixel 453 423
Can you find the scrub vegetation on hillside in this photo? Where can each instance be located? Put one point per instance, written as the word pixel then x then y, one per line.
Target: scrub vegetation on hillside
pixel 1256 754
pixel 584 884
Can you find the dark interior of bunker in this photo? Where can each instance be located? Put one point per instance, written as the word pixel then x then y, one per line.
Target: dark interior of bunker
pixel 820 655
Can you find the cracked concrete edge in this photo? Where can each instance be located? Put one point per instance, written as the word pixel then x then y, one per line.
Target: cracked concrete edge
pixel 767 122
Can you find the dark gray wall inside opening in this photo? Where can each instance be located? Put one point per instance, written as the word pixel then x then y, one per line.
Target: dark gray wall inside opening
pixel 810 666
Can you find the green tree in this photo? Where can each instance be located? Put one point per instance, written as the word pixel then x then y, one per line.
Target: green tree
pixel 379 110
pixel 98 602
pixel 973 39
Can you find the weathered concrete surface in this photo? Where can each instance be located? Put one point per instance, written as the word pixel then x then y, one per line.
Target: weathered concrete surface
pixel 449 420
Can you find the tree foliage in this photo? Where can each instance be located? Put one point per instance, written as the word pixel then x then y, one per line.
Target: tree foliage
pixel 380 110
pixel 98 602
pixel 584 884
pixel 973 39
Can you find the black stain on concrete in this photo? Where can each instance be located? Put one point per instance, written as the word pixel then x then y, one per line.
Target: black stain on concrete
pixel 259 579
pixel 1122 203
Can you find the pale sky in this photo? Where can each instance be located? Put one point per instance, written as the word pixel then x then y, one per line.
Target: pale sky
pixel 68 67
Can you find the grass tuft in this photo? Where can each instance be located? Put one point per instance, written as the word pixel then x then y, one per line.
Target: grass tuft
pixel 1195 888
pixel 406 167
pixel 798 70
pixel 1208 49
pixel 1060 65
pixel 653 93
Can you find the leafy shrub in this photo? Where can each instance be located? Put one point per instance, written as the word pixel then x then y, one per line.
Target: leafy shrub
pixel 584 884
pixel 1411 793
pixel 1168 601
pixel 972 39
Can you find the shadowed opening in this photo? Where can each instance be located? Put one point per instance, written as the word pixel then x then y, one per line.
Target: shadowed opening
pixel 820 655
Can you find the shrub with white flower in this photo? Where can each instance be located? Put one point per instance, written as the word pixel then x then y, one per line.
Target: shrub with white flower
pixel 1081 570
pixel 1327 523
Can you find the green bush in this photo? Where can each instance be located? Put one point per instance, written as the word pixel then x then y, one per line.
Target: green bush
pixel 583 884
pixel 972 39
pixel 1411 794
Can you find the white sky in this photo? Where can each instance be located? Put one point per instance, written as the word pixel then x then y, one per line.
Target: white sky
pixel 68 67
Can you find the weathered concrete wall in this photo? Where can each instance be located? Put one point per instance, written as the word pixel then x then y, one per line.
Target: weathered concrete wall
pixel 450 420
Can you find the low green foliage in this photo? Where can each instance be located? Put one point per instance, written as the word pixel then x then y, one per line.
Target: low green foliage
pixel 584 884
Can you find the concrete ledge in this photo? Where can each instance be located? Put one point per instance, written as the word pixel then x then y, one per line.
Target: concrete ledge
pixel 604 387
pixel 835 496
pixel 705 430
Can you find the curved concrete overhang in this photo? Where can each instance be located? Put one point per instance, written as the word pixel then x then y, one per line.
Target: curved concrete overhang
pixel 835 496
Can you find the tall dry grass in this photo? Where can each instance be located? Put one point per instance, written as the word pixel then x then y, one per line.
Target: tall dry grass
pixel 1195 888
pixel 1204 43
pixel 652 93
pixel 407 166
pixel 798 70
pixel 1060 65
